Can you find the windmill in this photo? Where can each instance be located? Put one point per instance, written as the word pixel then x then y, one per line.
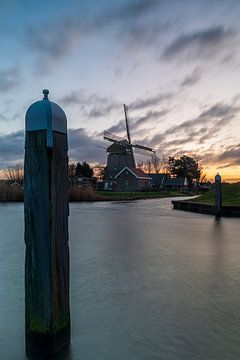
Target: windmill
pixel 120 152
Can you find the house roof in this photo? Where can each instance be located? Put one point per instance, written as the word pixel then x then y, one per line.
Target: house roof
pixel 138 173
pixel 158 179
pixel 175 181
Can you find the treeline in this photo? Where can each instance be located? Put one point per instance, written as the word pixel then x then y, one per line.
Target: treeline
pixel 84 169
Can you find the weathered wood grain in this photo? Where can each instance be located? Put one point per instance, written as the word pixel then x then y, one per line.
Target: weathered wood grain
pixel 46 238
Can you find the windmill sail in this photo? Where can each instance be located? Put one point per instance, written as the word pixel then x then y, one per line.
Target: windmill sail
pixel 107 135
pixel 146 148
pixel 126 119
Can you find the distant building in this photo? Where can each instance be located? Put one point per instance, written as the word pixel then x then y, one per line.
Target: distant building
pixel 81 181
pixel 158 180
pixel 129 179
pixel 165 182
pixel 179 184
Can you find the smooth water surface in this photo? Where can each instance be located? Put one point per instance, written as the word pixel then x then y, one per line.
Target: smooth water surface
pixel 147 282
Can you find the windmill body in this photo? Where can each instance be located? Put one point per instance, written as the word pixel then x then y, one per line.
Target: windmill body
pixel 121 172
pixel 119 156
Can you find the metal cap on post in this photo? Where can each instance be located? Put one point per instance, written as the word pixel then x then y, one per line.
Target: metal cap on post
pixel 46 211
pixel 46 115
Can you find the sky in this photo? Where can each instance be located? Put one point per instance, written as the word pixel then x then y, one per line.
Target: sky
pixel 176 64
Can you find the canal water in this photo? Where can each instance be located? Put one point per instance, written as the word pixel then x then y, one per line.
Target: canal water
pixel 147 282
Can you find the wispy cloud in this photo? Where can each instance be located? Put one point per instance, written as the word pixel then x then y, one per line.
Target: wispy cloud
pixel 137 123
pixel 142 36
pixel 92 105
pixel 11 148
pixel 199 44
pixel 10 79
pixel 153 100
pixel 149 117
pixel 82 146
pixel 60 37
pixel 195 132
pixel 191 79
pixel 85 147
pixel 231 155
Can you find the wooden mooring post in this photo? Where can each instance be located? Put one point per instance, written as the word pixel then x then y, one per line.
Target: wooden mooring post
pixel 218 195
pixel 46 210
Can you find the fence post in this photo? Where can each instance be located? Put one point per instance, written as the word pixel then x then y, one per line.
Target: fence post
pixel 47 312
pixel 218 195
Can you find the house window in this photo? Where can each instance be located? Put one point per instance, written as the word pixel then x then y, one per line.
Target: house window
pixel 126 182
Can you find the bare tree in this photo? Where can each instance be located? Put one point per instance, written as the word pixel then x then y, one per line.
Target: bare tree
pixel 165 166
pixel 71 171
pixel 157 164
pixel 15 173
pixel 148 165
pixel 140 165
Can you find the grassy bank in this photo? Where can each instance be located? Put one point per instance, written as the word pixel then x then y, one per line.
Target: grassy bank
pixel 230 196
pixel 137 195
pixel 86 193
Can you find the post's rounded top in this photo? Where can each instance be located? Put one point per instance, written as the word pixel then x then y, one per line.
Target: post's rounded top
pixel 218 177
pixel 46 115
pixel 45 93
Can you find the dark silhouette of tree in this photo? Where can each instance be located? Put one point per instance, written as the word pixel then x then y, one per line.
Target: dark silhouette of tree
pixel 83 170
pixel 78 170
pixel 185 167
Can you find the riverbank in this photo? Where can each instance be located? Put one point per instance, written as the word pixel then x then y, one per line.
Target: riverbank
pixel 205 204
pixel 86 193
pixel 121 196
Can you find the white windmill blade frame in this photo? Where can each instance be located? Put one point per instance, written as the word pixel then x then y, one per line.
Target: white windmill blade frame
pixel 107 135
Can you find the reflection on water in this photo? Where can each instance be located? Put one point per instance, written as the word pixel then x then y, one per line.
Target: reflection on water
pixel 147 282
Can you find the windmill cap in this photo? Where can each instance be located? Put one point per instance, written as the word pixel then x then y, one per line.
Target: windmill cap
pixel 46 115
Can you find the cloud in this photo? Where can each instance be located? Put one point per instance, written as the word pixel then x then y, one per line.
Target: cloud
pixel 195 132
pixel 200 44
pixel 231 155
pixel 131 10
pixel 139 36
pixel 11 148
pixel 228 156
pixel 10 79
pixel 2 117
pixel 60 37
pixel 191 79
pixel 82 146
pixel 140 104
pixel 136 123
pixel 217 115
pixel 118 128
pixel 149 116
pixel 92 105
pixel 85 147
